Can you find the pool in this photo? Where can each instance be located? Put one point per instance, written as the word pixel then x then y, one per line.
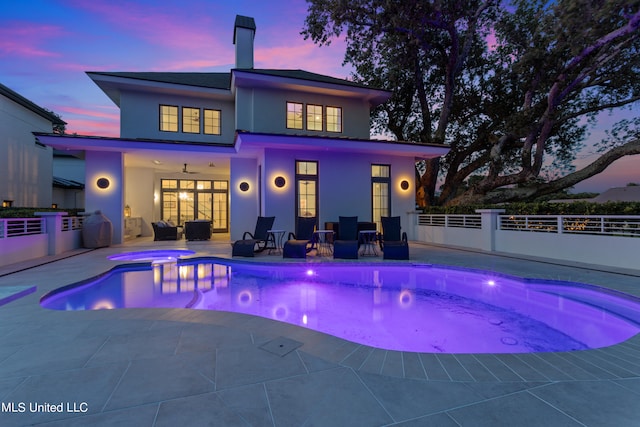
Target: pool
pixel 417 308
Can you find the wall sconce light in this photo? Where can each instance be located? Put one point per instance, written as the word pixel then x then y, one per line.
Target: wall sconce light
pixel 7 203
pixel 279 182
pixel 103 183
pixel 54 206
pixel 127 211
pixel 244 186
pixel 404 184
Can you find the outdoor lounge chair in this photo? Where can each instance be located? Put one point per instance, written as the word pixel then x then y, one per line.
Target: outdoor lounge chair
pixel 300 242
pixel 164 230
pixel 256 241
pixel 394 244
pixel 346 244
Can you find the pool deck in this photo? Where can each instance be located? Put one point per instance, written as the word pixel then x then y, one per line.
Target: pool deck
pixel 168 367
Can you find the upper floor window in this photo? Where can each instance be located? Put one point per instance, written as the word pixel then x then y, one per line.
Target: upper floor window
pixel 212 122
pixel 168 118
pixel 314 117
pixel 334 119
pixel 294 115
pixel 190 120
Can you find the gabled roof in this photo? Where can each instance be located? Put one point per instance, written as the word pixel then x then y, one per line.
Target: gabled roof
pixel 206 80
pixel 306 75
pixel 21 100
pixel 223 80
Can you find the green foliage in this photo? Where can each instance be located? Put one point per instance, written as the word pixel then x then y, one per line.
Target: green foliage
pixel 30 212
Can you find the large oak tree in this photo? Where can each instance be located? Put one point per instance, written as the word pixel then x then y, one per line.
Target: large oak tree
pixel 513 89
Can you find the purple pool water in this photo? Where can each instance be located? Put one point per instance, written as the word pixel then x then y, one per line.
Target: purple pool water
pixel 408 308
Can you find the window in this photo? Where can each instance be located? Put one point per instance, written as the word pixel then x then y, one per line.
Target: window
pixel 168 118
pixel 306 189
pixel 190 120
pixel 187 199
pixel 294 115
pixel 212 122
pixel 314 117
pixel 380 197
pixel 334 119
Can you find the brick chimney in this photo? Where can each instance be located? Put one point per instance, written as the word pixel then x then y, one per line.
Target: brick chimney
pixel 244 32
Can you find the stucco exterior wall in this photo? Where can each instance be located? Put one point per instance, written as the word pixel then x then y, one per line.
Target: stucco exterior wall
pixel 140 116
pixel 344 185
pixel 265 110
pixel 27 168
pixel 110 165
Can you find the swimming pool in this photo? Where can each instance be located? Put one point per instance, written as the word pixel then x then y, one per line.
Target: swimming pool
pixel 418 308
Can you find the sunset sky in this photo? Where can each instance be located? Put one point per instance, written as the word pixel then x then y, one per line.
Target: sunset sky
pixel 46 46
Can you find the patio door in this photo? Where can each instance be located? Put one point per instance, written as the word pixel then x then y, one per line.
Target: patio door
pixel 187 199
pixel 306 189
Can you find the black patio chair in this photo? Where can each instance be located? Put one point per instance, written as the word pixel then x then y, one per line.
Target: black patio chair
pixel 346 244
pixel 301 242
pixel 256 241
pixel 392 241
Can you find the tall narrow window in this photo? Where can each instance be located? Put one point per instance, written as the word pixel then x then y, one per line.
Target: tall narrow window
pixel 314 117
pixel 190 120
pixel 334 119
pixel 168 118
pixel 306 189
pixel 212 122
pixel 380 197
pixel 294 115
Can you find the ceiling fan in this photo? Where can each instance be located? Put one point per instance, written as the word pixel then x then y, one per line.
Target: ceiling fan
pixel 185 170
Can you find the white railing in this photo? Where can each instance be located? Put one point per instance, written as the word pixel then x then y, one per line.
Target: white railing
pixel 606 240
pixel 459 221
pixel 14 227
pixel 72 223
pixel 606 225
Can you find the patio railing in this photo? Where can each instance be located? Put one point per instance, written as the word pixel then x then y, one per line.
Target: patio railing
pixel 14 227
pixel 609 240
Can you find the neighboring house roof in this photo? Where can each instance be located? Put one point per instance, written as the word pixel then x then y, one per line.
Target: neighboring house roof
pixel 67 183
pixel 21 100
pixel 630 193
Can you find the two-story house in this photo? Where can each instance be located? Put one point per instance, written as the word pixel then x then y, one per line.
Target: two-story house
pixel 26 166
pixel 229 147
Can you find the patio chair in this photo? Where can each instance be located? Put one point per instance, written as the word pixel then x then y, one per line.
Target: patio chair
pixel 346 244
pixel 256 241
pixel 393 243
pixel 164 230
pixel 300 243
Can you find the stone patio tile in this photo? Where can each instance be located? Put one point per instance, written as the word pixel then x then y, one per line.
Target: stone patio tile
pixel 413 366
pixel 202 337
pixel 594 403
pixel 249 365
pixel 335 397
pixel 250 403
pixel 146 344
pixel 314 363
pixel 375 361
pixel 406 399
pixel 433 367
pixel 393 365
pixel 8 385
pixel 92 385
pixel 194 411
pixel 520 409
pixel 454 369
pixel 41 358
pixel 436 420
pixel 138 416
pixel 158 379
